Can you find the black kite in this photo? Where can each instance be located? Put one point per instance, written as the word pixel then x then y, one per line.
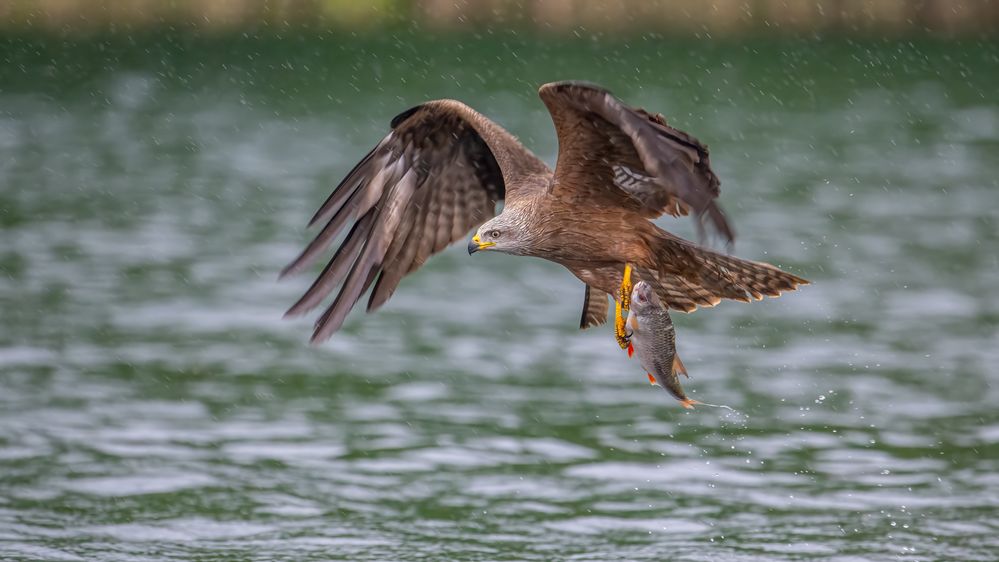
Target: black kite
pixel 443 167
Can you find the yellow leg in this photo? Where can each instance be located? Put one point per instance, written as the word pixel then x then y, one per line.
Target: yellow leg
pixel 625 291
pixel 622 305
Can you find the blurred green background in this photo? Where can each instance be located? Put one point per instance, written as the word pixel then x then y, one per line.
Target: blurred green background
pixel 159 161
pixel 691 16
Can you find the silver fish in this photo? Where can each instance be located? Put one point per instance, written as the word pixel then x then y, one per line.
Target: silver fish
pixel 652 337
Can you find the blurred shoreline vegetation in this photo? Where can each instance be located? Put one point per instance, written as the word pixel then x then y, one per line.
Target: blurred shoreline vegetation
pixel 699 17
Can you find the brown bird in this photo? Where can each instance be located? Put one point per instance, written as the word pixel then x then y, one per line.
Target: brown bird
pixel 443 167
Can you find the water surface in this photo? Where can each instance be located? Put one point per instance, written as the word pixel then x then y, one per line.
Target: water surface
pixel 156 407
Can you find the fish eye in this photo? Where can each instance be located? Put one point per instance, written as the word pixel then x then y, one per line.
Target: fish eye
pixel 494 234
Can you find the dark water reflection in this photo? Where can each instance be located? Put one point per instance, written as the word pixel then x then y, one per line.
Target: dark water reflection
pixel 155 406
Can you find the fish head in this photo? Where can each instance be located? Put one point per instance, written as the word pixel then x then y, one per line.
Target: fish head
pixel 643 298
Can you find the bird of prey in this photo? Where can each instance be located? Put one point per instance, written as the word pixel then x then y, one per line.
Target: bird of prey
pixel 444 167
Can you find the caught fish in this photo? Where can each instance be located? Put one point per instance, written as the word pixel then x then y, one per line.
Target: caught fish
pixel 650 334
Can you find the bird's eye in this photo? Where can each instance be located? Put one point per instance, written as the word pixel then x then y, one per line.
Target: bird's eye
pixel 494 234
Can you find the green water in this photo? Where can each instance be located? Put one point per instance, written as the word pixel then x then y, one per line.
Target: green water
pixel 154 406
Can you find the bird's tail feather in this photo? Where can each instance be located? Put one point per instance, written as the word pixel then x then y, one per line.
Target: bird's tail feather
pixel 690 276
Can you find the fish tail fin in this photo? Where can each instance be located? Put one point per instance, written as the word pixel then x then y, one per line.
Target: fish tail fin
pixel 678 367
pixel 688 403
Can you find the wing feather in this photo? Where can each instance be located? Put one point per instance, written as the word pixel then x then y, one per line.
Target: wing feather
pixel 613 154
pixel 398 262
pixel 358 204
pixel 348 185
pixel 368 262
pixel 322 240
pixel 595 308
pixel 336 269
pixel 438 174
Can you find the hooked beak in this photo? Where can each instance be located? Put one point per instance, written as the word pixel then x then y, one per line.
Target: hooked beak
pixel 477 244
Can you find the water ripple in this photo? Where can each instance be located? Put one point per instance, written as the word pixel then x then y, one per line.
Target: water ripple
pixel 156 407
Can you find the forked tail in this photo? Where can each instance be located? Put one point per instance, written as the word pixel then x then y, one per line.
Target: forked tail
pixel 690 276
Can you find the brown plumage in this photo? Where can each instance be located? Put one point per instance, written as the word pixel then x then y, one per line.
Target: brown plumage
pixel 443 167
pixel 595 308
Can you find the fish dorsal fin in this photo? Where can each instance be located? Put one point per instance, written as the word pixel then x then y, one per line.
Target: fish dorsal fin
pixel 678 367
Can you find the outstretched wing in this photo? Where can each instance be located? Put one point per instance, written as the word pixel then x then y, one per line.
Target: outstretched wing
pixel 614 154
pixel 438 173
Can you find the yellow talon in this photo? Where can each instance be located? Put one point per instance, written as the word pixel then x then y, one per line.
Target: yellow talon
pixel 625 292
pixel 619 334
pixel 623 305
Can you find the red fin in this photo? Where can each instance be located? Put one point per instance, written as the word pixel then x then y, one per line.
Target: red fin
pixel 688 403
pixel 631 349
pixel 652 380
pixel 678 366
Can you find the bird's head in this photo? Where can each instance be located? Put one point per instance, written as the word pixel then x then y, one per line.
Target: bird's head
pixel 502 233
